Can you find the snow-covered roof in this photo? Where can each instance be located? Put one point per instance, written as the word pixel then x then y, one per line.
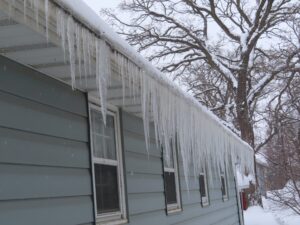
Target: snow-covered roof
pixel 67 40
pixel 244 181
pixel 260 159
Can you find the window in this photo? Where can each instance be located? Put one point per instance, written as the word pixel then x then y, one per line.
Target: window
pixel 224 186
pixel 171 180
pixel 203 188
pixel 107 166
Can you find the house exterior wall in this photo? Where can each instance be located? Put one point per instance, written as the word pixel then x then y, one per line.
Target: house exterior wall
pixel 45 161
pixel 44 155
pixel 261 175
pixel 146 201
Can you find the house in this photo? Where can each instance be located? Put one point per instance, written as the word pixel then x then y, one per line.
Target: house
pixel 247 184
pixel 246 187
pixel 262 170
pixel 91 133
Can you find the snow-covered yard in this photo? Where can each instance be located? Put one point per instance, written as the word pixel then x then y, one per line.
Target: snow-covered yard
pixel 256 215
pixel 270 215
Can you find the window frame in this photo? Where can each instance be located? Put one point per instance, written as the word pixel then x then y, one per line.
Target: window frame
pixel 175 207
pixel 205 199
pixel 118 217
pixel 224 197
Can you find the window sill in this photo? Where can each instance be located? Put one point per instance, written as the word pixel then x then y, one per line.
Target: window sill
pixel 225 199
pixel 174 211
pixel 113 222
pixel 205 204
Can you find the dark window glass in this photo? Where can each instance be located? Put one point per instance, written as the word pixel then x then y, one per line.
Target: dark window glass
pixel 106 188
pixel 202 186
pixel 223 188
pixel 170 187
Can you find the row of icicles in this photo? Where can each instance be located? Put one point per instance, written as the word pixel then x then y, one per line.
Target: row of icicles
pixel 198 137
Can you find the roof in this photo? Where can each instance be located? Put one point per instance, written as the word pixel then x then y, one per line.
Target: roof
pixel 243 181
pixel 71 43
pixel 260 159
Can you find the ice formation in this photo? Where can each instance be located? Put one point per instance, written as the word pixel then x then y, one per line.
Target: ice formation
pixel 177 117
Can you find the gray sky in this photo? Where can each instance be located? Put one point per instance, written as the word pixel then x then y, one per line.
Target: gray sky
pixel 98 4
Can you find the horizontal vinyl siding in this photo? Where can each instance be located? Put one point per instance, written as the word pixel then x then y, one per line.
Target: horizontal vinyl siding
pixel 21 147
pixel 44 154
pixel 146 200
pixel 50 211
pixel 46 91
pixel 22 114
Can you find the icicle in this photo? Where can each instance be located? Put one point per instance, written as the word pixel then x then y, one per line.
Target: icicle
pixel 71 48
pixel 78 48
pixel 47 18
pixel 35 6
pixel 25 10
pixel 60 25
pixel 12 5
pixel 145 109
pixel 85 54
pixel 89 50
pixel 103 73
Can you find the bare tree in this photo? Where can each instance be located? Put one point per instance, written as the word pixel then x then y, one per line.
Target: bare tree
pixel 284 171
pixel 288 197
pixel 283 151
pixel 222 49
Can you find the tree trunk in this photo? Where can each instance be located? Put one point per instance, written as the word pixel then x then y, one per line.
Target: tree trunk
pixel 242 108
pixel 244 122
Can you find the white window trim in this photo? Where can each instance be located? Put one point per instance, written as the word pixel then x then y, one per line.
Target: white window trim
pixel 171 170
pixel 175 207
pixel 225 197
pixel 204 200
pixel 119 217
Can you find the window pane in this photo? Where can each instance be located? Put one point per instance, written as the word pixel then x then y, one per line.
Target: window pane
pixel 170 187
pixel 104 141
pixel 223 188
pixel 169 163
pixel 202 186
pixel 107 193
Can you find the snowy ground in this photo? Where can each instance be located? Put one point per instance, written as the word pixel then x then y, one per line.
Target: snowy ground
pixel 256 215
pixel 270 215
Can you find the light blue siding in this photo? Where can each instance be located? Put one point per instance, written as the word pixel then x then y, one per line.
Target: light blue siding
pixel 45 169
pixel 44 155
pixel 146 190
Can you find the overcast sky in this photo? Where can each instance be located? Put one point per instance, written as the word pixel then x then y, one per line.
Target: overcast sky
pixel 98 4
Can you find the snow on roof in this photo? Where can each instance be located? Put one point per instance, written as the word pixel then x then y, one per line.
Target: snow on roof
pixel 244 181
pixel 261 159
